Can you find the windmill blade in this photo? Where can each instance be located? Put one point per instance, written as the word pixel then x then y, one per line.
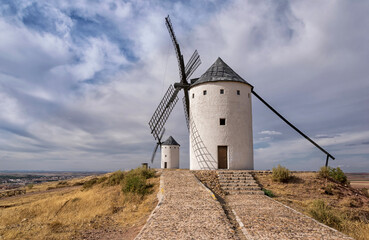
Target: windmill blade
pixel 157 145
pixel 187 103
pixel 295 128
pixel 181 66
pixel 163 111
pixel 154 153
pixel 192 64
pixel 186 113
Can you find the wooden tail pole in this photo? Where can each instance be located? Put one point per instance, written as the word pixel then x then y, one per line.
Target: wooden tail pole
pixel 295 128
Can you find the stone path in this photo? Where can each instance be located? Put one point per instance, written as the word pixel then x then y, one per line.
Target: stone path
pixel 264 218
pixel 187 211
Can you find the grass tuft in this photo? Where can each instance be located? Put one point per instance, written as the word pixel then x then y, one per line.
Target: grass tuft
pixel 281 174
pixel 268 192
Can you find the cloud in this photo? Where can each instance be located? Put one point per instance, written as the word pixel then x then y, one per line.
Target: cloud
pixel 79 80
pixel 267 132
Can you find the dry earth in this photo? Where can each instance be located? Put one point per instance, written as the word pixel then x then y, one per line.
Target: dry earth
pixel 71 212
pixel 349 205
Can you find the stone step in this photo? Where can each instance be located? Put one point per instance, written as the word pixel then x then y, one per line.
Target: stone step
pixel 240 188
pixel 236 178
pixel 235 174
pixel 239 185
pixel 244 192
pixel 232 172
pixel 246 182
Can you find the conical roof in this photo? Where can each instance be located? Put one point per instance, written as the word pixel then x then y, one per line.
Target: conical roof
pixel 170 141
pixel 220 71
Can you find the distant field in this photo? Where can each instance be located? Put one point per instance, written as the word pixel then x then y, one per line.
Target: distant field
pixel 358 180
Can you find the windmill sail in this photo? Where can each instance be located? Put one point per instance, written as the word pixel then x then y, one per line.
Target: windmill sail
pixel 163 111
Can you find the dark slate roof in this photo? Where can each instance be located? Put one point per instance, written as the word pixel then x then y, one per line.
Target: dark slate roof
pixel 170 141
pixel 219 71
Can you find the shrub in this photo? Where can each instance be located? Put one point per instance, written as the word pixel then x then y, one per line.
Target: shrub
pixel 324 172
pixel 281 174
pixel 324 214
pixel 338 175
pixel 90 183
pixel 101 180
pixel 116 178
pixel 335 174
pixel 30 186
pixel 135 183
pixel 268 192
pixel 145 173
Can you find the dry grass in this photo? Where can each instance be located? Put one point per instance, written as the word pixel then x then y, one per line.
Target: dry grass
pixel 340 206
pixel 67 212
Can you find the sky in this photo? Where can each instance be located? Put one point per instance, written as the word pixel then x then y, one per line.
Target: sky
pixel 79 80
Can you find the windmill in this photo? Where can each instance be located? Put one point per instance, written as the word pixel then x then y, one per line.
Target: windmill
pixel 218 114
pixel 170 98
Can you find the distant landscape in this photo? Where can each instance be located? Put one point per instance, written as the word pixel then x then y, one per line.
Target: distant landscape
pixel 16 179
pixel 358 180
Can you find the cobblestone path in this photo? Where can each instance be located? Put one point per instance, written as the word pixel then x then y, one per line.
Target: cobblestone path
pixel 187 211
pixel 264 218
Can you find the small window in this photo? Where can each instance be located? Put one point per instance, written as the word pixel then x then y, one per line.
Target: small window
pixel 204 92
pixel 193 95
pixel 238 92
pixel 165 155
pixel 222 121
pixel 249 95
pixel 221 91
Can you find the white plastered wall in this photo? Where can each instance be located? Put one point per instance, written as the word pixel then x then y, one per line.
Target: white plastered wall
pixel 170 154
pixel 205 113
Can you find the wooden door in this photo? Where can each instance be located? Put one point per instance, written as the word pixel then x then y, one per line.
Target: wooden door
pixel 222 157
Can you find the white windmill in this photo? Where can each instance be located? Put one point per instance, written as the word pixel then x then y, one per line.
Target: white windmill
pixel 218 114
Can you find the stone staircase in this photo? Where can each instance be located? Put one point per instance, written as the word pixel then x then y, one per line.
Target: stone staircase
pixel 238 182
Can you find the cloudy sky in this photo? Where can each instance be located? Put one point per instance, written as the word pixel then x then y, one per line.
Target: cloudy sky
pixel 79 80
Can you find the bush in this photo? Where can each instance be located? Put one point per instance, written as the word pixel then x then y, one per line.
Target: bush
pixel 145 173
pixel 324 214
pixel 324 172
pixel 101 180
pixel 90 183
pixel 135 184
pixel 338 175
pixel 281 174
pixel 335 174
pixel 30 186
pixel 116 178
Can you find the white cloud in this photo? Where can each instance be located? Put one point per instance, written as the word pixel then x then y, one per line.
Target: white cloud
pixel 267 132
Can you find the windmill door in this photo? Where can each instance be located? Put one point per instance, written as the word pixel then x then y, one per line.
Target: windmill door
pixel 222 157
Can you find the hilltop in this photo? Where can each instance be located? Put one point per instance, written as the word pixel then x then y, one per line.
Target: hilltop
pixel 93 207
